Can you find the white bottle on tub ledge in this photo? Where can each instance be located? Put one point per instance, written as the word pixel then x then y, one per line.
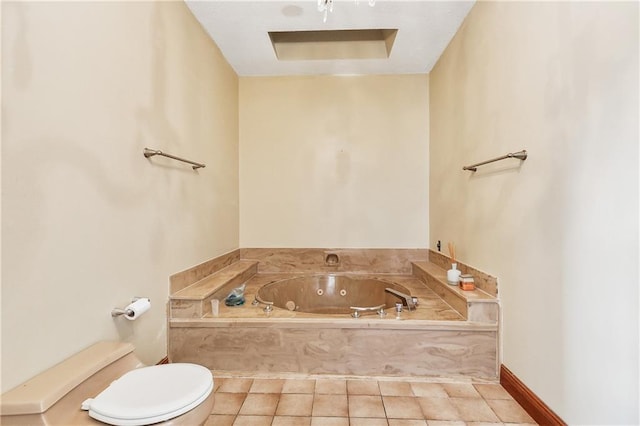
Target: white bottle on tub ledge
pixel 453 275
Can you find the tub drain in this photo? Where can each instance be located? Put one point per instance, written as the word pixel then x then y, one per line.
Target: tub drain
pixel 290 305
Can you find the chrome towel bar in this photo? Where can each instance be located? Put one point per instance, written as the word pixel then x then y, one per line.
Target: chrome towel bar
pixel 151 152
pixel 520 155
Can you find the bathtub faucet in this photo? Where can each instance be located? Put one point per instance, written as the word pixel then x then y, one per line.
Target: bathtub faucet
pixel 268 306
pixel 409 300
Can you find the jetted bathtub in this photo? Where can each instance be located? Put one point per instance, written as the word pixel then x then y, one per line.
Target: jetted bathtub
pixel 332 294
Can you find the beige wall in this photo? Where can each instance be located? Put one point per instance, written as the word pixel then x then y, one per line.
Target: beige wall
pixel 87 221
pixel 334 161
pixel 561 230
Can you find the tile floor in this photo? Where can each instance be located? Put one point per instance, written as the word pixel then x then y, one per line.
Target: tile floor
pixel 367 402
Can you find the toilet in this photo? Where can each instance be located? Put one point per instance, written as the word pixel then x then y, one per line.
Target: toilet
pixel 107 384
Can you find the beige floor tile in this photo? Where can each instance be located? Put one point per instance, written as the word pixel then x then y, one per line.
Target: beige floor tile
pixel 492 391
pixel 330 406
pixel 487 424
pixel 366 406
pixel 361 402
pixel 395 388
pixel 295 404
pixel 367 421
pixel 518 424
pixel 329 421
pixel 233 385
pixel 407 422
pixel 474 410
pixel 227 403
pixel 253 421
pixel 298 386
pixel 402 407
pixel 509 411
pixel 260 404
pixel 331 386
pixel 220 420
pixel 266 386
pixel 433 390
pixel 291 421
pixel 461 390
pixel 217 382
pixel 438 409
pixel 363 387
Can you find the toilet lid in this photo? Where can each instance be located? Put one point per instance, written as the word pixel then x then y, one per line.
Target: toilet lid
pixel 152 394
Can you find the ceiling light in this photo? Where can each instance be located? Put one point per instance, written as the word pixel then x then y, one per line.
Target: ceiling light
pixel 327 6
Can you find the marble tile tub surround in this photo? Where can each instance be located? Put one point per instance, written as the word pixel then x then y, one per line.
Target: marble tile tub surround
pixel 475 305
pixel 194 301
pixel 185 278
pixel 483 281
pixel 285 261
pixel 434 340
pixel 318 260
pixel 280 347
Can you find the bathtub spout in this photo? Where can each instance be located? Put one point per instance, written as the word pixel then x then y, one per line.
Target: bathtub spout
pixel 409 300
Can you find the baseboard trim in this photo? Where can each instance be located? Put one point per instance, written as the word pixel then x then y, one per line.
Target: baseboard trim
pixel 531 403
pixel 164 360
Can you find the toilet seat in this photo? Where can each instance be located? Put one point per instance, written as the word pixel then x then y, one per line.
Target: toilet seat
pixel 151 394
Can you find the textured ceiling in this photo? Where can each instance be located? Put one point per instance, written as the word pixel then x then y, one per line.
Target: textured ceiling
pixel 240 29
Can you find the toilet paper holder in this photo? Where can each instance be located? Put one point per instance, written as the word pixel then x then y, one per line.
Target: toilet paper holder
pixel 116 312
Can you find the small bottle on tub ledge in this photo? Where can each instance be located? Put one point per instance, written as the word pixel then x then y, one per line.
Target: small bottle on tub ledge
pixel 453 275
pixel 467 283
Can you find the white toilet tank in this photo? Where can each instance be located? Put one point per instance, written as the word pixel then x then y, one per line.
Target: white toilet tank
pixel 110 381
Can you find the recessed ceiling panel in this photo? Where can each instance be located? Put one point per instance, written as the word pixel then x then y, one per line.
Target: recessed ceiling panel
pixel 332 44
